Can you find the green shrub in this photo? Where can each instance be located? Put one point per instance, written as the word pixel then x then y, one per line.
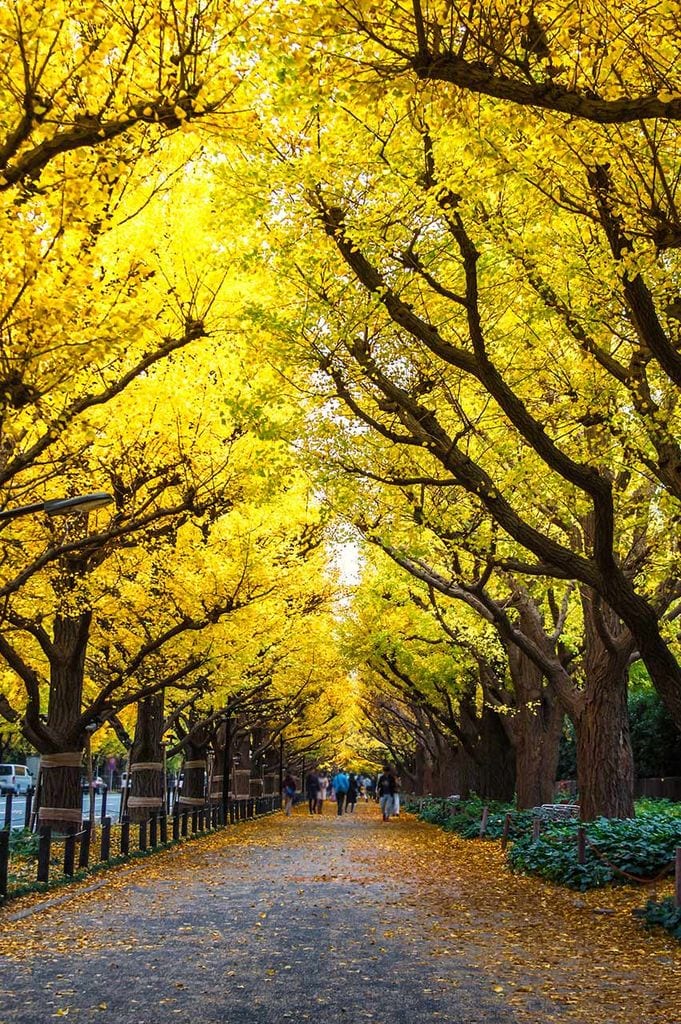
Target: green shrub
pixel 464 817
pixel 24 843
pixel 664 914
pixel 641 847
pixel 647 805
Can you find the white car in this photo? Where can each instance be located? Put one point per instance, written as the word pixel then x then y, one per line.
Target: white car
pixel 15 779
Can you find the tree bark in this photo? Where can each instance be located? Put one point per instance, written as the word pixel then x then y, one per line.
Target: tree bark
pixel 60 784
pixel 605 764
pixel 537 725
pixel 496 759
pixel 194 784
pixel 146 794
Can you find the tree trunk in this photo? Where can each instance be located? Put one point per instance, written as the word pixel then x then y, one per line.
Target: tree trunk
pixel 61 794
pixel 217 779
pixel 537 726
pixel 194 784
pixel 146 760
pixel 605 764
pixel 424 770
pixel 446 774
pixel 644 625
pixel 496 759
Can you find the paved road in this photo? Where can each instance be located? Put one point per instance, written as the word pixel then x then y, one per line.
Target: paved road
pixel 283 920
pixel 329 920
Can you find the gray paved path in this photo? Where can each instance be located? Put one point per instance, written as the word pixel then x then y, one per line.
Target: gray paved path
pixel 281 920
pixel 329 920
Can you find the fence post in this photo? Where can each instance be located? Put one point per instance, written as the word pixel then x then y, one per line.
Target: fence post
pixel 44 854
pixel 105 847
pixel 176 823
pixel 102 813
pixel 163 821
pixel 125 835
pixel 185 823
pixel 536 828
pixel 483 821
pixel 70 851
pixel 153 831
pixel 507 829
pixel 201 819
pixel 143 835
pixel 29 806
pixel 8 810
pixel 581 845
pixel 4 861
pixel 84 854
pixel 677 879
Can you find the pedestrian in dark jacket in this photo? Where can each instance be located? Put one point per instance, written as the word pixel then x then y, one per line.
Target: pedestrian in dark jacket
pixel 313 790
pixel 352 793
pixel 288 792
pixel 386 792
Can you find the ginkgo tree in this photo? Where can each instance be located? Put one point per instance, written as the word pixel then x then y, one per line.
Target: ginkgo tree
pixel 441 330
pixel 443 683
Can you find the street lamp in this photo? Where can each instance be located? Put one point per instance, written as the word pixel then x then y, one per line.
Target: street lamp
pixel 60 506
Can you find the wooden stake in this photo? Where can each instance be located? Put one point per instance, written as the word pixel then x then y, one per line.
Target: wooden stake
pixel 507 829
pixel 483 821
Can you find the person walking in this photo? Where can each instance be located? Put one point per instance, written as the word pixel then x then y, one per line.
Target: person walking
pixel 340 783
pixel 385 789
pixel 323 791
pixel 312 788
pixel 352 793
pixel 288 792
pixel 397 785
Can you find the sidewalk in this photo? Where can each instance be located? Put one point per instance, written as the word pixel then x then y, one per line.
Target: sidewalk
pixel 331 920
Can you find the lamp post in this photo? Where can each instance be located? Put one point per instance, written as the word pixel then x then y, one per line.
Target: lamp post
pixel 60 506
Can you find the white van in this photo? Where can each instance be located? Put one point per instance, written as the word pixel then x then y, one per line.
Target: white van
pixel 15 779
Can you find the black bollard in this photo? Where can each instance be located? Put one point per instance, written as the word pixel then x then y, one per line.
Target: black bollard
pixel 44 854
pixel 8 810
pixel 125 836
pixel 105 848
pixel 29 806
pixel 70 851
pixel 4 861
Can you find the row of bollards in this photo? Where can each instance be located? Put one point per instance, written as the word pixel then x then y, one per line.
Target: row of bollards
pixel 151 833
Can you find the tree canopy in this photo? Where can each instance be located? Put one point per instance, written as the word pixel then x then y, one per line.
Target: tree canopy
pixel 291 276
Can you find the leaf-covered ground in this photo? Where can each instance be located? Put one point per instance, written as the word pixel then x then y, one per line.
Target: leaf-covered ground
pixel 330 920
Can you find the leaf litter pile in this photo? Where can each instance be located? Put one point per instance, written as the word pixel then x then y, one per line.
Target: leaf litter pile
pixel 461 939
